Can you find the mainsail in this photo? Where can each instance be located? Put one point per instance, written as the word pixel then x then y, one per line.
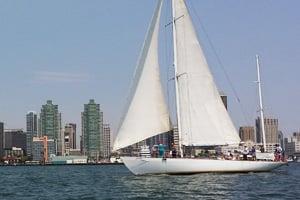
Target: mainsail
pixel 147 114
pixel 204 119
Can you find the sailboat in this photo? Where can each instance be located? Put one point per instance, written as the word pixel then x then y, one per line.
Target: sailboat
pixel 202 119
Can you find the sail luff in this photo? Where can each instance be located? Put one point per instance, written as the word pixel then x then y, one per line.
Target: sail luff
pixel 147 114
pixel 204 119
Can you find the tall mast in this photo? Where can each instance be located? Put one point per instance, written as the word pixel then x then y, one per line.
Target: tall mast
pixel 260 103
pixel 176 79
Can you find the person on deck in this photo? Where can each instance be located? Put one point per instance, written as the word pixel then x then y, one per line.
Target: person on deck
pixel 174 152
pixel 262 149
pixel 245 153
pixel 253 153
pixel 161 150
pixel 278 152
pixel 154 151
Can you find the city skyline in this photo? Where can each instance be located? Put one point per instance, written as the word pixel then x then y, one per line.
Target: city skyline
pixel 84 52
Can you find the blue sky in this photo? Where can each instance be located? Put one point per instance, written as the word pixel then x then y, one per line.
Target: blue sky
pixel 71 51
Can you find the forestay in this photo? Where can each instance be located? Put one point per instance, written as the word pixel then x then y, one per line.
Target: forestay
pixel 204 119
pixel 147 114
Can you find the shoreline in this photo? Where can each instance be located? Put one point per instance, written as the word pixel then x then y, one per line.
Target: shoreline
pixel 50 164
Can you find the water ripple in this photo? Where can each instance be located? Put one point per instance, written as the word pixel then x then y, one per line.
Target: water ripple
pixel 116 182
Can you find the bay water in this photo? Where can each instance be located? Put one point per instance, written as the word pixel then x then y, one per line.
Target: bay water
pixel 92 182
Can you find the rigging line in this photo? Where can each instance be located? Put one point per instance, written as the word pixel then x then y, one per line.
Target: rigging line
pixel 220 63
pixel 215 53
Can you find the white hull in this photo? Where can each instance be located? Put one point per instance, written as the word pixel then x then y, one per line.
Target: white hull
pixel 141 166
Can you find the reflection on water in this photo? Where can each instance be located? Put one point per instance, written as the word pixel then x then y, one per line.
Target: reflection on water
pixel 116 182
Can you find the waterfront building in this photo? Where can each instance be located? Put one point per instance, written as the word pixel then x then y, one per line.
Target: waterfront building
pixel 165 138
pixel 280 138
pixel 14 145
pixel 13 155
pixel 63 160
pixel 292 144
pixel 247 134
pixel 296 140
pixel 271 130
pixel 14 138
pixel 42 149
pixel 1 139
pixel 50 125
pixel 296 136
pixel 92 128
pixel 69 137
pixel 66 145
pixel 31 131
pixel 29 137
pixel 81 145
pixel 75 152
pixel 133 150
pixel 289 146
pixel 106 141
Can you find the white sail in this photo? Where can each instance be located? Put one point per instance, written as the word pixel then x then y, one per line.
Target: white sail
pixel 147 114
pixel 204 119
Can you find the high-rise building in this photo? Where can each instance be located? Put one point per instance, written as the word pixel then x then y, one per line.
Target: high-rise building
pixel 289 146
pixel 50 125
pixel 92 127
pixel 296 140
pixel 280 138
pixel 70 137
pixel 106 141
pixel 247 134
pixel 271 133
pixel 31 131
pixel 31 122
pixel 292 144
pixel 271 130
pixel 296 136
pixel 81 144
pixel 1 139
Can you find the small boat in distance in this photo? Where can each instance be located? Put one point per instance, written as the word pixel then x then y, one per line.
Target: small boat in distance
pixel 202 119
